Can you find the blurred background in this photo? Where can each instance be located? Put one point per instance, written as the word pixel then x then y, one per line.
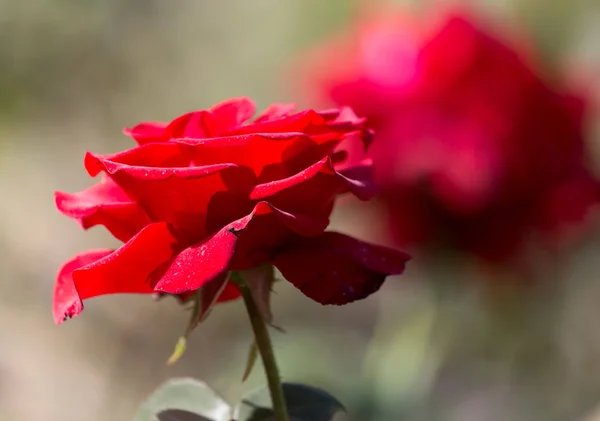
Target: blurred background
pixel 430 346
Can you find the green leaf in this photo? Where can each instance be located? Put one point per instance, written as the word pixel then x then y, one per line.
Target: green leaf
pixel 184 394
pixel 304 403
pixel 180 415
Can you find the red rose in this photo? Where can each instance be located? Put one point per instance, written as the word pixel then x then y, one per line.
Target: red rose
pixel 474 149
pixel 212 192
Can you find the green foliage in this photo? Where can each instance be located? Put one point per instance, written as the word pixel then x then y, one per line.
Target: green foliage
pixel 175 398
pixel 304 403
pixel 186 399
pixel 180 415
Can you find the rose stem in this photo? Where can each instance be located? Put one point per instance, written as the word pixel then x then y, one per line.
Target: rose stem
pixel 265 348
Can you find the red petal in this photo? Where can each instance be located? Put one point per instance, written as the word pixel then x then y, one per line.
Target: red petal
pixel 312 189
pixel 191 124
pixel 274 112
pixel 320 126
pixel 270 156
pixel 65 301
pixel 230 292
pixel 255 151
pixel 267 229
pixel 145 157
pixel 297 123
pixel 105 204
pixel 216 121
pixel 336 269
pixel 231 114
pixel 128 269
pixel 148 132
pixel 242 244
pixel 199 264
pixel 179 195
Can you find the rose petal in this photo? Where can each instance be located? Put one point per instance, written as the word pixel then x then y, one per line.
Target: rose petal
pixel 148 132
pixel 243 244
pixel 255 151
pixel 269 228
pixel 269 156
pixel 129 162
pixel 126 270
pixel 152 155
pixel 231 114
pixel 199 264
pixel 297 123
pixel 65 301
pixel 274 112
pixel 192 124
pixel 105 204
pixel 179 195
pixel 312 188
pixel 216 121
pixel 336 269
pixel 230 292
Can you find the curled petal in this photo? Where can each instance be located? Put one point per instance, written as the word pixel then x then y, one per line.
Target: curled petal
pixel 231 114
pixel 260 152
pixel 142 158
pixel 243 244
pixel 314 187
pixel 216 121
pixel 66 302
pixel 199 264
pixel 274 112
pixel 333 268
pixel 148 132
pixel 126 270
pixel 296 123
pixel 179 195
pixel 105 204
pixel 267 229
pixel 344 120
pixel 193 124
pixel 120 164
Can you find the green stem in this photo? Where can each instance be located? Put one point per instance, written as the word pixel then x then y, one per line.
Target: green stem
pixel 265 348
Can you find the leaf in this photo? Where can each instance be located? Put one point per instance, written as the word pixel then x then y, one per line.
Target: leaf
pixel 252 354
pixel 304 403
pixel 180 415
pixel 184 394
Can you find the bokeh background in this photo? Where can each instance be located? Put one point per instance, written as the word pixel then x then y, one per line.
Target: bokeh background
pixel 73 74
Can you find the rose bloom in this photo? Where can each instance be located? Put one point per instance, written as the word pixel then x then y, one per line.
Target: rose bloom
pixel 474 150
pixel 213 192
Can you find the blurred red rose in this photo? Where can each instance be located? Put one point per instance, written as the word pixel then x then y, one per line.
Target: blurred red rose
pixel 474 150
pixel 212 192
